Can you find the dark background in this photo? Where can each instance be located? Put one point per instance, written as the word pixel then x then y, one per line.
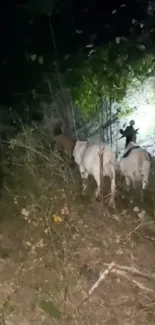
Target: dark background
pixel 25 27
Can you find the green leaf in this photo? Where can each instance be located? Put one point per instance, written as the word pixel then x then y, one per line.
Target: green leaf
pixel 40 59
pixel 107 74
pixel 33 57
pixel 50 308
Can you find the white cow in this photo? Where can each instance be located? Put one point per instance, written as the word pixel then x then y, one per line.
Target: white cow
pixel 135 165
pixel 87 157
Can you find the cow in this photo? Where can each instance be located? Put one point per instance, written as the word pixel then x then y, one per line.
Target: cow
pixel 135 165
pixel 87 157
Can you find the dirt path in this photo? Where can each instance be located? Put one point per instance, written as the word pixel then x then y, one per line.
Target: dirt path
pixel 41 260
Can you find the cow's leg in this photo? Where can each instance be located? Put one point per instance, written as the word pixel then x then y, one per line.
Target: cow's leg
pixel 132 182
pixel 128 182
pixel 84 176
pixel 145 177
pixel 144 185
pixel 98 192
pixel 97 179
pixel 113 187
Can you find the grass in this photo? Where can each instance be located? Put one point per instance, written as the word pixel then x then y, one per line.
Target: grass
pixel 47 268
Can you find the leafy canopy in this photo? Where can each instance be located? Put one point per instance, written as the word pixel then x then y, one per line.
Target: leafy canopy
pixel 106 74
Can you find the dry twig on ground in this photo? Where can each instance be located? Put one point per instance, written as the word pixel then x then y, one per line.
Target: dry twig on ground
pixel 123 271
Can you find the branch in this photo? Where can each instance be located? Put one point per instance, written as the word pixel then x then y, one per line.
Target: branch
pixel 134 271
pixel 135 282
pixel 120 270
pixel 106 125
pixel 96 284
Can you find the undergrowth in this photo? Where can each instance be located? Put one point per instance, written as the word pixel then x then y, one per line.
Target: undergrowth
pixel 70 260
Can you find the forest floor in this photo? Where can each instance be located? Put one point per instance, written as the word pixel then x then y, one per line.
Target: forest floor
pixel 55 245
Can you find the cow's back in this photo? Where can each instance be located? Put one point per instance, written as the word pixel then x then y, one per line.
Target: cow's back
pixel 91 157
pixel 92 151
pixel 134 164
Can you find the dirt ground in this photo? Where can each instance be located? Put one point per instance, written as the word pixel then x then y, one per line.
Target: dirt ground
pixel 49 265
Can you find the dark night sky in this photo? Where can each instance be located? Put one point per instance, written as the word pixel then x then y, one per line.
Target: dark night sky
pixel 18 36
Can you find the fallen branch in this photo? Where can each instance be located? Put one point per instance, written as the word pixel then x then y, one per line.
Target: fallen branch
pixel 96 284
pixel 120 270
pixel 133 271
pixel 133 231
pixel 137 283
pixel 101 278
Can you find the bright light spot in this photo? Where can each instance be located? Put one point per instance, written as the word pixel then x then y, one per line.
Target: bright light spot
pixel 141 99
pixel 144 114
pixel 144 119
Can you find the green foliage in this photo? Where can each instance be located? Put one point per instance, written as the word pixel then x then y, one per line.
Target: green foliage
pixel 125 111
pixel 106 75
pixel 153 93
pixel 50 308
